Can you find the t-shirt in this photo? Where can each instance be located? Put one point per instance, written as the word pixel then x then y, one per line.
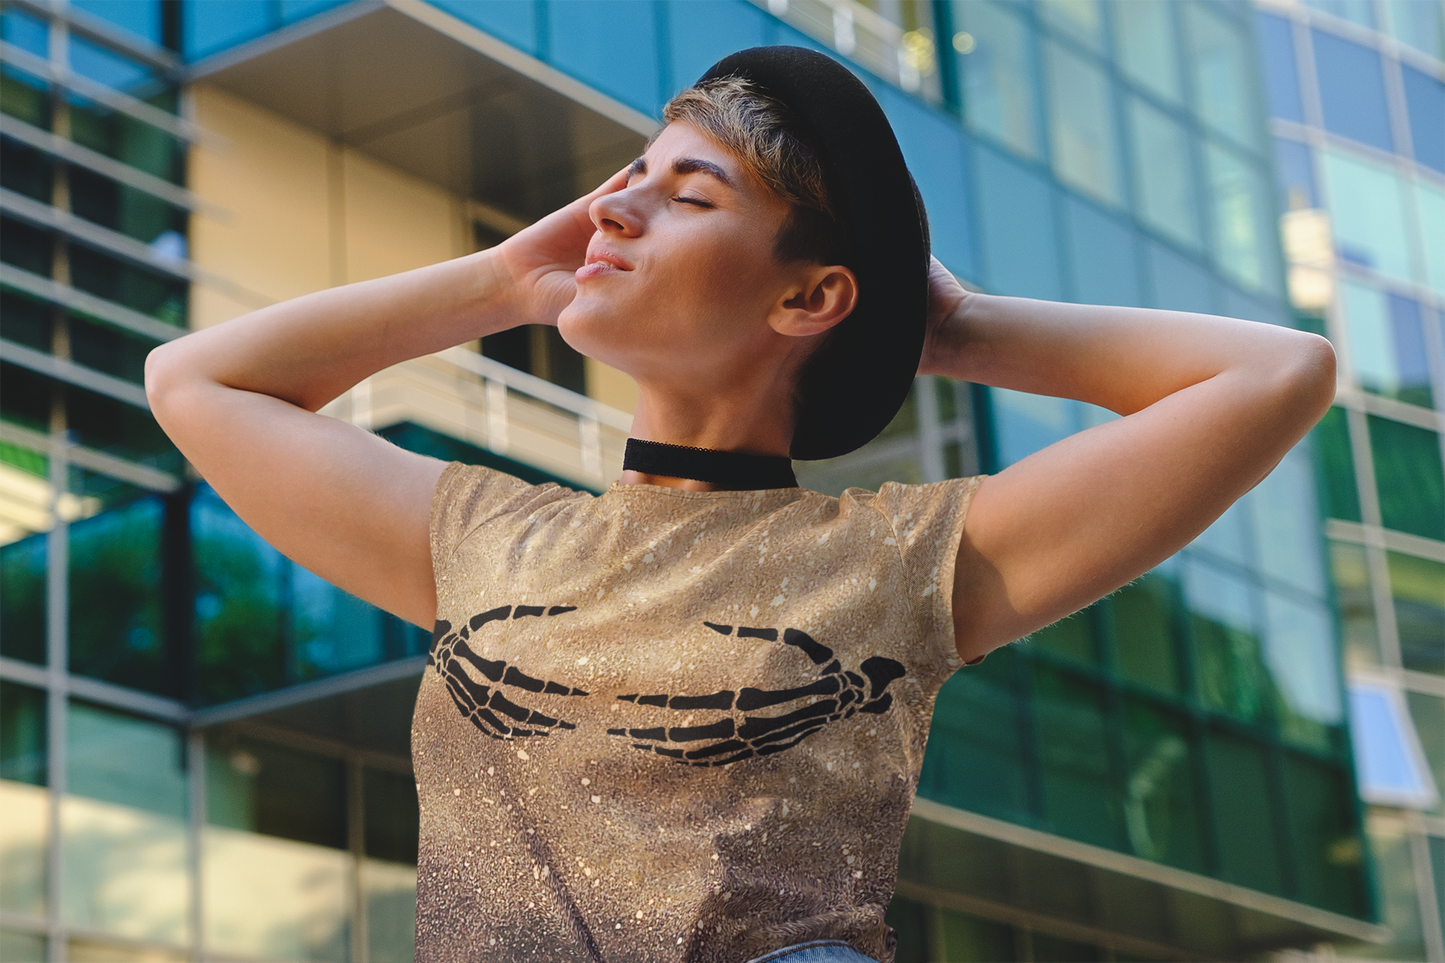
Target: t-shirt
pixel 663 725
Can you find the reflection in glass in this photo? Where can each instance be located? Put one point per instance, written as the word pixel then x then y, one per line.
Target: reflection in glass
pixel 1367 205
pixel 1026 423
pixel 1328 852
pixel 276 790
pixel 998 93
pixel 1294 168
pixel 1425 106
pixel 22 584
pixel 1072 638
pixel 1387 343
pixel 1419 25
pixel 1079 788
pixel 1300 653
pixel 1408 477
pixel 1428 714
pixel 128 760
pixel 1144 637
pixel 1242 245
pixel 1081 19
pixel 1228 664
pixel 1331 438
pixel 1399 893
pixel 107 67
pixel 1228 537
pixel 1355 604
pixel 1223 74
pixel 1389 764
pixel 1081 124
pixel 1285 522
pixel 30 34
pixel 1144 41
pixel 1352 90
pixel 1159 149
pixel 1161 798
pixel 1417 586
pixel 1249 852
pixel 1281 71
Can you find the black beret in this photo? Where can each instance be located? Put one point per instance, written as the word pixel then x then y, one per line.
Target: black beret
pixel 855 383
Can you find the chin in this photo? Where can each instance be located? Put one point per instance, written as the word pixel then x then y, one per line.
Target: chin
pixel 585 334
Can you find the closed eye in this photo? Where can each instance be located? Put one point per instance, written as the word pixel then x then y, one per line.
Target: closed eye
pixel 693 200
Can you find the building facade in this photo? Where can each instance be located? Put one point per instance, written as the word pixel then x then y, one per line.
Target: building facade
pixel 204 749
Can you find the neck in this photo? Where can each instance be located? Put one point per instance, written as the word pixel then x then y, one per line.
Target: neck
pixel 721 423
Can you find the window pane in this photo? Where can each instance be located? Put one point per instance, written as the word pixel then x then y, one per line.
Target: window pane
pixel 30 34
pixel 1161 796
pixel 1072 743
pixel 1352 90
pixel 1409 478
pixel 1294 167
pixel 1103 268
pixel 1432 225
pixel 1300 651
pixel 1144 635
pixel 389 891
pixel 1240 788
pixel 1428 714
pixel 1228 662
pixel 1080 19
pixel 1361 12
pixel 1418 588
pixel 1425 103
pixel 265 788
pixel 128 140
pixel 1144 39
pixel 1072 638
pixel 1372 349
pixel 23 799
pixel 1388 761
pixel 22 581
pixel 1025 423
pixel 1081 124
pixel 24 95
pixel 210 27
pixel 1017 208
pixel 1281 72
pixel 1163 163
pixel 1420 24
pixel 107 67
pixel 1223 74
pixel 997 71
pixel 140 17
pixel 1243 243
pixel 1285 522
pixel 149 292
pixel 1399 891
pixel 1367 204
pixel 1355 604
pixel 1329 853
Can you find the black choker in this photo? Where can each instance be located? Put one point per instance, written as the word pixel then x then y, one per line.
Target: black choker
pixel 731 469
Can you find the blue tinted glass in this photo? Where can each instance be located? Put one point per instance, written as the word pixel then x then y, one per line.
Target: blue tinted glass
pixel 1165 191
pixel 932 145
pixel 1081 124
pixel 1356 11
pixel 209 27
pixel 586 37
pixel 1025 423
pixel 26 32
pixel 1178 284
pixel 702 32
pixel 140 17
pixel 1285 524
pixel 514 21
pixel 103 66
pixel 1352 90
pixel 1223 77
pixel 1144 39
pixel 1410 359
pixel 1102 267
pixel 292 10
pixel 1295 168
pixel 1425 102
pixel 1281 73
pixel 1017 217
pixel 994 61
pixel 1384 764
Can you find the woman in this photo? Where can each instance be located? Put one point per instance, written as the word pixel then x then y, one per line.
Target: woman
pixel 684 719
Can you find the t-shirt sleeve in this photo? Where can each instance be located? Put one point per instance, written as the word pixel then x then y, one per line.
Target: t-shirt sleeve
pixel 928 521
pixel 466 497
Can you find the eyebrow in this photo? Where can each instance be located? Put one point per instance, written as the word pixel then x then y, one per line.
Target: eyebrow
pixel 686 165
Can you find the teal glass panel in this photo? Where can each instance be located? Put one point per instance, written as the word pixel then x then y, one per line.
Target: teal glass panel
pixel 1419 24
pixel 1080 795
pixel 583 39
pixel 22 599
pixel 293 10
pixel 1300 652
pixel 24 801
pixel 983 769
pixel 211 27
pixel 1355 604
pixel 1162 797
pixel 105 66
pixel 1229 667
pixel 1145 643
pixel 1145 47
pixel 1243 238
pixel 1017 215
pixel 933 148
pixel 702 32
pixel 30 34
pixel 1408 477
pixel 1163 166
pixel 1368 206
pixel 1285 525
pixel 1331 438
pixel 1103 268
pixel 140 17
pixel 124 840
pixel 115 597
pixel 1428 714
pixel 1177 283
pixel 1328 850
pixel 1071 638
pixel 958 936
pixel 1240 791
pixel 1083 20
pixel 1432 232
pixel 1281 70
pixel 1081 124
pixel 1352 90
pixel 275 790
pixel 1361 12
pixel 996 67
pixel 1417 586
pixel 1295 173
pixel 1223 69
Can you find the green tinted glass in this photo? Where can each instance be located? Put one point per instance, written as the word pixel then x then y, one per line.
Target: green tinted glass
pixel 961 937
pixel 23 95
pixel 22 734
pixel 1328 850
pixel 1161 798
pixel 1081 124
pixel 1072 742
pixel 1163 165
pixel 1408 477
pixel 275 790
pixel 1144 40
pixel 1145 642
pixel 126 139
pixel 1072 638
pixel 22 599
pixel 1229 666
pixel 1331 438
pixel 1249 853
pixel 1397 884
pixel 999 101
pixel 1355 604
pixel 1418 588
pixel 1428 713
pixel 1300 653
pixel 124 759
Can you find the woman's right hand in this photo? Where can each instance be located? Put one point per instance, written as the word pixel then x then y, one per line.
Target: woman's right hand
pixel 542 259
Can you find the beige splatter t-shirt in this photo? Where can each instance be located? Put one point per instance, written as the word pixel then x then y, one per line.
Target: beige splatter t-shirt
pixel 670 725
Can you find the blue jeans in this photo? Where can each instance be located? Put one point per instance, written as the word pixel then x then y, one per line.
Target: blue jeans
pixel 817 951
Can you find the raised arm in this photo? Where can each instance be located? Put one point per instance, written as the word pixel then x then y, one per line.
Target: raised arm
pixel 239 401
pixel 1210 406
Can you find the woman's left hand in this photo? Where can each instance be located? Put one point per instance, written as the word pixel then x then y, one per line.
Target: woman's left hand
pixel 942 342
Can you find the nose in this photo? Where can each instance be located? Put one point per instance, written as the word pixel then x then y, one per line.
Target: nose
pixel 616 213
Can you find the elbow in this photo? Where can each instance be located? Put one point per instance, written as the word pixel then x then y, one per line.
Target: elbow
pixel 162 373
pixel 1306 377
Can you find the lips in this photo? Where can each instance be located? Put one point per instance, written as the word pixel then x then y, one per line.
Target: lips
pixel 600 262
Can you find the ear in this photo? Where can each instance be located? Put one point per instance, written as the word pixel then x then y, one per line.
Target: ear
pixel 822 296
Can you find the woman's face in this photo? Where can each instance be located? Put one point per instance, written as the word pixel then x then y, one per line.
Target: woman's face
pixel 680 277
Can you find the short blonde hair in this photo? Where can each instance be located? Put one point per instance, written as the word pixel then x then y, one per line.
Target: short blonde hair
pixel 762 133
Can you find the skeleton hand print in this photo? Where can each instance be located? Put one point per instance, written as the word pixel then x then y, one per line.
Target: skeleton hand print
pixel 733 738
pixel 463 669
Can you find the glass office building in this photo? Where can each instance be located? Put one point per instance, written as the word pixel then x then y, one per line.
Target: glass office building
pixel 204 748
